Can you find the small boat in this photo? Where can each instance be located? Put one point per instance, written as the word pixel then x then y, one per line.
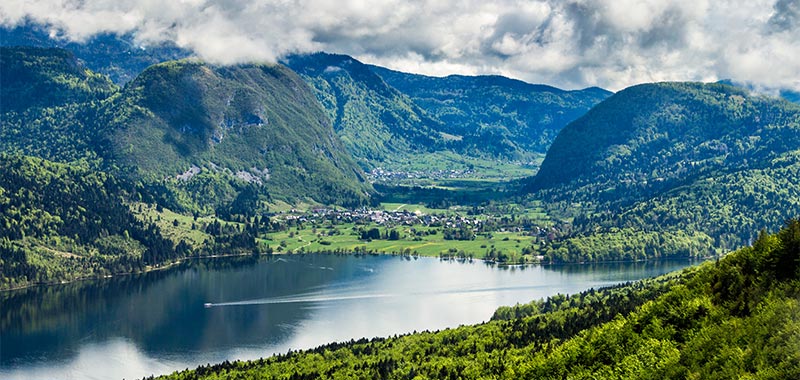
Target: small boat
pixel 207 305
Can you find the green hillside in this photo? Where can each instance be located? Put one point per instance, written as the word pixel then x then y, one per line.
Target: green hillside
pixel 494 115
pixel 737 318
pixel 199 137
pixel 67 221
pixel 48 103
pixel 42 78
pixel 214 131
pixel 375 122
pixel 652 137
pixel 708 162
pixel 386 118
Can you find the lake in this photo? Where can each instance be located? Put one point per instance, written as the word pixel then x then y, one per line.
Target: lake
pixel 212 310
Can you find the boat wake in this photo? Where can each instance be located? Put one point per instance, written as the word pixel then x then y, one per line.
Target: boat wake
pixel 317 297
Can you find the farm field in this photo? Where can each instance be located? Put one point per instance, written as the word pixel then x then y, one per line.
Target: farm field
pixel 413 240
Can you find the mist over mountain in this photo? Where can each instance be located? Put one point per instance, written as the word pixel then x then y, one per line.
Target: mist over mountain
pixel 118 56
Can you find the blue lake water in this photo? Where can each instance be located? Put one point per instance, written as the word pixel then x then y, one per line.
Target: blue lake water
pixel 209 311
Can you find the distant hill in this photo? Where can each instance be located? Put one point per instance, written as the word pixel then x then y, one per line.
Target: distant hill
pixel 656 136
pixel 48 103
pixel 495 115
pixel 707 163
pixel 258 125
pixel 42 77
pixel 117 56
pixel 375 121
pixel 385 116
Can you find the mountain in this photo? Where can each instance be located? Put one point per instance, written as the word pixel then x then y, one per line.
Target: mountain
pixel 374 121
pixel 656 136
pixel 736 318
pixel 700 164
pixel 385 117
pixel 212 129
pixel 48 103
pixel 41 78
pixel 495 115
pixel 117 56
pixel 200 137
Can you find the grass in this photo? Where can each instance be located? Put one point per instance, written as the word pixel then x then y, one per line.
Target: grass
pixel 346 238
pixel 427 241
pixel 183 230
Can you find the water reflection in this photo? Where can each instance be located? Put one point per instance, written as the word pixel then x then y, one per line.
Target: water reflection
pixel 132 326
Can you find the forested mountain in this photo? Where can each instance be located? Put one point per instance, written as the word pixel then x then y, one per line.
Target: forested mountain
pixel 384 115
pixel 48 103
pixel 652 137
pixel 708 161
pixel 198 136
pixel 117 56
pixel 495 115
pixel 218 130
pixel 737 318
pixel 42 78
pixel 375 121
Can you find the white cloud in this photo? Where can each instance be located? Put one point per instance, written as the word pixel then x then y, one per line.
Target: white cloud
pixel 572 43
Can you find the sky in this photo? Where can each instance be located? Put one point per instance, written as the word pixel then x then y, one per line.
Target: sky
pixel 567 43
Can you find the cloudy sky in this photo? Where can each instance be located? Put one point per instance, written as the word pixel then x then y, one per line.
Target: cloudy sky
pixel 567 43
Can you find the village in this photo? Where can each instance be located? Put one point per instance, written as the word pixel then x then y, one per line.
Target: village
pixel 398 218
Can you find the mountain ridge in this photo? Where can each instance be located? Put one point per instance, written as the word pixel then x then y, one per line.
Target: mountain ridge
pixel 495 115
pixel 375 121
pixel 117 56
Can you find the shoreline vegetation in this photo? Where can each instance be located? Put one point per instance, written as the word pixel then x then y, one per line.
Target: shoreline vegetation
pixel 181 261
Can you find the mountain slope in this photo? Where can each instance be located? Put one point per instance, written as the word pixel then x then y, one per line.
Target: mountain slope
pixel 655 136
pixel 67 221
pixel 737 318
pixel 375 122
pixel 48 103
pixel 699 164
pixel 251 125
pixel 494 115
pixel 41 78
